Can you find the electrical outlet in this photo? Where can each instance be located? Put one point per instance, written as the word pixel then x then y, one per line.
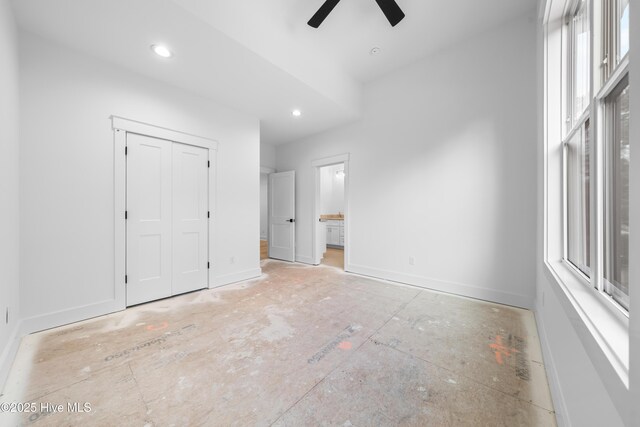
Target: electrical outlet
pixel 412 260
pixel 232 260
pixel 6 316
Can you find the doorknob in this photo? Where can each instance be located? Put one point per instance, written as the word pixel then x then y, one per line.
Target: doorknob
pixel 291 220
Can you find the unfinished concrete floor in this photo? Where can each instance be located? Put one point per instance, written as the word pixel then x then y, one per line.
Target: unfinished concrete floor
pixel 300 346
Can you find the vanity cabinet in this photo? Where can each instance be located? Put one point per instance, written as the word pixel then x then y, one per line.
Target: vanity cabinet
pixel 335 233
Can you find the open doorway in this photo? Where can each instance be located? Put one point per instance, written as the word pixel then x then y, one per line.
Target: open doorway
pixel 332 215
pixel 264 212
pixel 330 232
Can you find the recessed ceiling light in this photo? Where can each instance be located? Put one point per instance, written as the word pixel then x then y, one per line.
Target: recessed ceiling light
pixel 296 113
pixel 161 50
pixel 374 51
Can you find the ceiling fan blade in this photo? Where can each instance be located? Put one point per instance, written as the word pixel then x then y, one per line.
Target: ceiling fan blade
pixel 391 10
pixel 322 13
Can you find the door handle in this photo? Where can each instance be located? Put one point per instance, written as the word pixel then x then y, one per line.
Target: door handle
pixel 291 220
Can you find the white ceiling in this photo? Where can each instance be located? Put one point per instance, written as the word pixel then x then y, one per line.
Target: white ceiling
pixel 260 56
pixel 277 28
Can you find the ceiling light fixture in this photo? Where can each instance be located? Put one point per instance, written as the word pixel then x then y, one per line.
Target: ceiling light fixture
pixel 374 51
pixel 161 50
pixel 296 113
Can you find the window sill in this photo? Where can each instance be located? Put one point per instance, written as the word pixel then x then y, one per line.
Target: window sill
pixel 604 332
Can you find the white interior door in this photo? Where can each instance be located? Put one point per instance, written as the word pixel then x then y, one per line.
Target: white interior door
pixel 148 218
pixel 190 218
pixel 167 218
pixel 282 209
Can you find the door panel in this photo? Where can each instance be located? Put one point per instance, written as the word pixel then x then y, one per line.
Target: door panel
pixel 167 225
pixel 282 206
pixel 149 219
pixel 190 223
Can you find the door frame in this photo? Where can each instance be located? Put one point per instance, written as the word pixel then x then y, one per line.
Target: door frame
pixel 316 165
pixel 267 171
pixel 121 126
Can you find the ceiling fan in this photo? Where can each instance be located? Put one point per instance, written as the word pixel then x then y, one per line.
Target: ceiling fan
pixel 389 7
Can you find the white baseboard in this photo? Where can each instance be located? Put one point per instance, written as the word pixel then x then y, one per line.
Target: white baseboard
pixel 9 354
pixel 470 291
pixel 72 315
pixel 240 276
pixel 42 322
pixel 559 403
pixel 305 259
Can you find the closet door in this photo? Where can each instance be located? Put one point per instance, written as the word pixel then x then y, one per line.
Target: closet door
pixel 190 218
pixel 149 220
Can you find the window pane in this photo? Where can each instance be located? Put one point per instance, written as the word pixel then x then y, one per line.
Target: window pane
pixel 578 200
pixel 616 254
pixel 581 61
pixel 623 25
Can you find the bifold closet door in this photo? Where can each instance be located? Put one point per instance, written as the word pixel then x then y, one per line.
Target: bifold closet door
pixel 190 218
pixel 149 207
pixel 167 218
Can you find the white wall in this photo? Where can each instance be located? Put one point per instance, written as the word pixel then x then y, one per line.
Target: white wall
pixel 580 396
pixel 66 172
pixel 267 155
pixel 9 201
pixel 441 169
pixel 331 190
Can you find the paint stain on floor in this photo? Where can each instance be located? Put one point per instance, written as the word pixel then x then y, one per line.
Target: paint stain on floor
pixel 300 346
pixel 345 345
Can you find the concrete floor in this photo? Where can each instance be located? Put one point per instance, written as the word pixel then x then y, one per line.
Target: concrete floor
pixel 300 346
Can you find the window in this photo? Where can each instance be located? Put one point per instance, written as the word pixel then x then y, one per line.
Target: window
pixel 596 205
pixel 578 218
pixel 623 28
pixel 616 230
pixel 577 150
pixel 615 35
pixel 579 63
pixel 588 221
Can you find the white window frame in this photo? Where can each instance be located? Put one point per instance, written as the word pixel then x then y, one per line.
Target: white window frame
pixel 620 75
pixel 610 38
pixel 571 129
pixel 600 323
pixel 596 109
pixel 565 198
